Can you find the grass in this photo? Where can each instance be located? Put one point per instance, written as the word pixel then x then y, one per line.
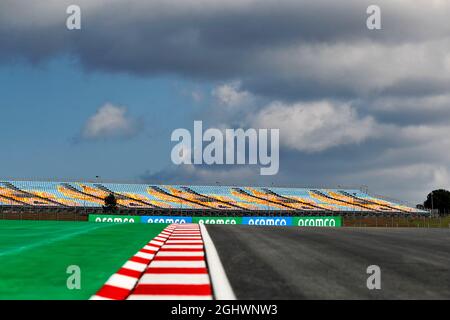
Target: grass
pixel 424 222
pixel 34 255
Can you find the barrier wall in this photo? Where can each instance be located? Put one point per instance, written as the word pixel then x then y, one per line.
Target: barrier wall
pixel 268 221
pixel 317 221
pixel 165 219
pixel 217 220
pixel 257 221
pixel 113 219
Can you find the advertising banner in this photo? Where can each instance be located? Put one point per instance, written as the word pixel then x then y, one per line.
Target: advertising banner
pixel 217 220
pixel 257 221
pixel 165 219
pixel 113 218
pixel 267 221
pixel 317 221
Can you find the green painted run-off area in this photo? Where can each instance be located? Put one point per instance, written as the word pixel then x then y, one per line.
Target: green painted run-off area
pixel 34 255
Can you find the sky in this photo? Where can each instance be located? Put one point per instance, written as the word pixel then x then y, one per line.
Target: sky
pixel 355 107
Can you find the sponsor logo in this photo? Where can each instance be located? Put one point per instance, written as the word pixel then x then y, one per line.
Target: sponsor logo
pixel 162 219
pixel 257 221
pixel 113 219
pixel 318 221
pixel 217 220
pixel 267 221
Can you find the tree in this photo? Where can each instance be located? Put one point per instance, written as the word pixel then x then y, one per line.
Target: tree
pixel 110 203
pixel 438 199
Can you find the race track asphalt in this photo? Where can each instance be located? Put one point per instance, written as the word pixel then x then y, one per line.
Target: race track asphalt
pixel 331 263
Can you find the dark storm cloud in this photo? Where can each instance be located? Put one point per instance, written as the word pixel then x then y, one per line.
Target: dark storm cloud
pixel 394 83
pixel 216 40
pixel 403 173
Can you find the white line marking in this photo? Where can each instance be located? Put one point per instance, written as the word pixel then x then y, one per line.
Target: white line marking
pixel 65 236
pixel 153 248
pixel 121 281
pixel 196 233
pixel 156 243
pixel 166 297
pixel 171 278
pixel 219 281
pixel 144 255
pixel 136 266
pixel 163 253
pixel 184 235
pixel 187 226
pixel 98 298
pixel 183 241
pixel 177 264
pixel 182 246
pixel 187 236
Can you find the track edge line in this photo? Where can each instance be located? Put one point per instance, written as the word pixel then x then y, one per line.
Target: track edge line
pixel 219 280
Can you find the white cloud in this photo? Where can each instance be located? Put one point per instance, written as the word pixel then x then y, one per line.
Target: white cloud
pixel 212 175
pixel 230 95
pixel 110 121
pixel 410 182
pixel 288 54
pixel 314 127
pixel 429 103
pixel 361 67
pixel 401 73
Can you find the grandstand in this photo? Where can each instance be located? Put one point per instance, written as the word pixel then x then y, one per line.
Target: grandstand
pixel 88 197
